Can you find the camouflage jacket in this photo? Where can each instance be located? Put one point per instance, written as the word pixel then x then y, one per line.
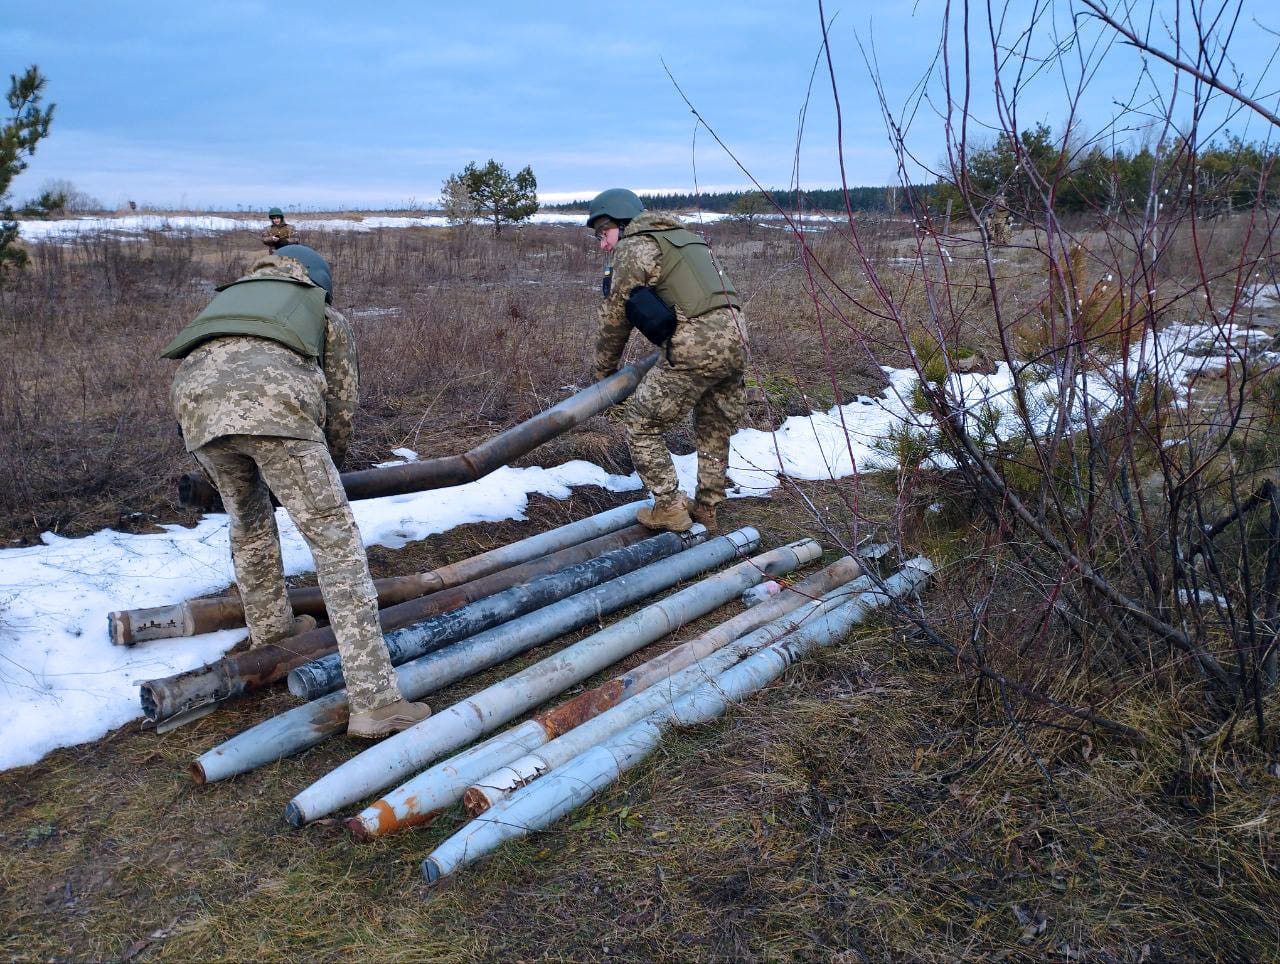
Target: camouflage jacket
pixel 278 235
pixel 254 386
pixel 637 261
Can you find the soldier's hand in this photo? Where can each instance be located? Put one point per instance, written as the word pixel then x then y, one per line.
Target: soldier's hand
pixel 600 374
pixel 617 414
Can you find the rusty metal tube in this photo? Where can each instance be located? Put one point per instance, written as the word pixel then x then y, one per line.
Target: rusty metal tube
pixel 405 753
pixel 656 683
pixel 307 725
pixel 195 492
pixel 232 676
pixel 324 675
pixel 196 616
pixel 540 804
pixel 416 802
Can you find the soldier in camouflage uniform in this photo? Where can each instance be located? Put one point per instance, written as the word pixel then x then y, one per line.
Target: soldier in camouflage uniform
pixel 998 222
pixel 278 234
pixel 703 358
pixel 267 389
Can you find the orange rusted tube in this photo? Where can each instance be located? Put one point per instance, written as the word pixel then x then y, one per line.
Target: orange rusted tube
pixel 198 616
pixel 164 699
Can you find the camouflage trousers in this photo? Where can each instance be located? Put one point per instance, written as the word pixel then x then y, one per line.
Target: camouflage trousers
pixel 246 469
pixel 1000 230
pixel 701 372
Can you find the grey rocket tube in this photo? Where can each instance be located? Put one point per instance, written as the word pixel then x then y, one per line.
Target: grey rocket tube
pixel 305 726
pixel 504 781
pixel 195 492
pixel 321 676
pixel 196 616
pixel 403 754
pixel 541 803
pixel 416 802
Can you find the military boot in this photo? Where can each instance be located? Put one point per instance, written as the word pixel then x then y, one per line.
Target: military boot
pixel 385 720
pixel 705 515
pixel 668 514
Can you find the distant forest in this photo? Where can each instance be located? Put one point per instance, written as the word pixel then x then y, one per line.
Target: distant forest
pixel 1230 174
pixel 751 202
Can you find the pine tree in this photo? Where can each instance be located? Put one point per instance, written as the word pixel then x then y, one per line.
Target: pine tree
pixel 19 135
pixel 497 196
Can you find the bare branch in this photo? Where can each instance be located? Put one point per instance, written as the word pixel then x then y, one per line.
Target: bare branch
pixel 1233 92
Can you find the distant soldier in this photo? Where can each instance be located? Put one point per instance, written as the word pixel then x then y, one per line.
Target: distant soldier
pixel 278 234
pixel 266 391
pixel 998 222
pixel 663 280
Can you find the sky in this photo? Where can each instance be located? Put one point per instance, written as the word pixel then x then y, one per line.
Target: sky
pixel 240 104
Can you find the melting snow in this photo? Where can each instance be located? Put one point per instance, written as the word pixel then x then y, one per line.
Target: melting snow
pixel 63 229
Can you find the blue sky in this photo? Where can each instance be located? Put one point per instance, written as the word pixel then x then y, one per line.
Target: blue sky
pixel 327 105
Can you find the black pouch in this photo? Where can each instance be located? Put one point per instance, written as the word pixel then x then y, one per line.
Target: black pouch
pixel 650 315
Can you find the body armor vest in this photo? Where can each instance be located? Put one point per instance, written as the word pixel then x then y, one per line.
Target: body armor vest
pixel 288 312
pixel 690 282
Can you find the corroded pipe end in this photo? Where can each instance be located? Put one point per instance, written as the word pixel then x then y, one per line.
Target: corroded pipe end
pixel 476 801
pixel 129 626
pixel 431 871
pixel 150 702
pixel 120 628
pixel 293 815
pixel 197 773
pixel 358 830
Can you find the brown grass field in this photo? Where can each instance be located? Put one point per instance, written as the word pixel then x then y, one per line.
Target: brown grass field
pixel 879 803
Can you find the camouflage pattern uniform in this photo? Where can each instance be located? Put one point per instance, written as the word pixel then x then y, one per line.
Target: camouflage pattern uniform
pixel 260 418
pixel 278 235
pixel 701 371
pixel 998 222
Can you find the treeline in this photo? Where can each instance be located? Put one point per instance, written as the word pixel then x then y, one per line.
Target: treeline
pixel 747 203
pixel 1217 178
pixel 1036 166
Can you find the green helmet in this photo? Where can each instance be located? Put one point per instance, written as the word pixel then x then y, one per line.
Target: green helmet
pixel 317 267
pixel 275 213
pixel 617 203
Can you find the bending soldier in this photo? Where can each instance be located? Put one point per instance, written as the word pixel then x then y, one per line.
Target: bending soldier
pixel 267 389
pixel 278 234
pixel 663 281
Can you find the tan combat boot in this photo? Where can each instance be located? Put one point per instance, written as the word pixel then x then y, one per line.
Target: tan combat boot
pixel 705 515
pixel 385 720
pixel 669 514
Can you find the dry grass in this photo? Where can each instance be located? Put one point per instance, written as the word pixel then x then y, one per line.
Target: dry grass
pixel 877 803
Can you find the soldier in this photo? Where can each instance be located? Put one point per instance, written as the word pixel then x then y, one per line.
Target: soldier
pixel 663 281
pixel 266 391
pixel 278 234
pixel 998 222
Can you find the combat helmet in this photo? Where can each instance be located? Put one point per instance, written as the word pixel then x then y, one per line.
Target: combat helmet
pixel 317 267
pixel 617 204
pixel 275 213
